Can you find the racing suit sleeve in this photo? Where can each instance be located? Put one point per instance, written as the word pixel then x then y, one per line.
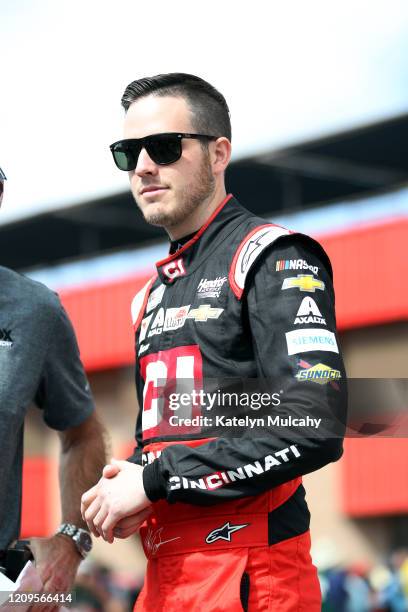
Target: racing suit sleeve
pixel 136 456
pixel 290 316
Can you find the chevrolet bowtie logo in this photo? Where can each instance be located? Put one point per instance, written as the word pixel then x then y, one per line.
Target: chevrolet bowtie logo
pixel 304 282
pixel 223 533
pixel 204 312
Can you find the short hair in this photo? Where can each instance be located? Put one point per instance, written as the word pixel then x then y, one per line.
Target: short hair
pixel 208 106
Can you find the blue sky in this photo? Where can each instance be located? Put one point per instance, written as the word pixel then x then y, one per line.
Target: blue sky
pixel 289 70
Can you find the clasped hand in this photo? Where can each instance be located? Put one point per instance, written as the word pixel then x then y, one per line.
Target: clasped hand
pixel 117 505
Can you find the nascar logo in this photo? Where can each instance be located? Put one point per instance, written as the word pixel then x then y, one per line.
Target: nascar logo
pixel 295 264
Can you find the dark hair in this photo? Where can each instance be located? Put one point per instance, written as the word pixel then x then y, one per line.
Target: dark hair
pixel 208 106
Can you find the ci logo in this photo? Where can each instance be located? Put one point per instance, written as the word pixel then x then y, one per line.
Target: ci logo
pixel 174 269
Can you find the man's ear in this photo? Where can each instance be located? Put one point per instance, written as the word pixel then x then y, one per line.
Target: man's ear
pixel 220 153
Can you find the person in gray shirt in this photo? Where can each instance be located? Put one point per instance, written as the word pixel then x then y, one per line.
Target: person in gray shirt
pixel 40 363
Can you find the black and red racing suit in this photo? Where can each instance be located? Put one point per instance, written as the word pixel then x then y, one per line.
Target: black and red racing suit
pixel 242 300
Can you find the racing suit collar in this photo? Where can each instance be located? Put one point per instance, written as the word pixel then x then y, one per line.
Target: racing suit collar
pixel 188 257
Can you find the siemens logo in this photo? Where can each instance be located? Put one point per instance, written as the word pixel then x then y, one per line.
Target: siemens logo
pixel 304 340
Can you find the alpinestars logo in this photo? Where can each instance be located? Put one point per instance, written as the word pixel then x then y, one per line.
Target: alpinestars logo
pixel 5 338
pixel 251 248
pixel 223 533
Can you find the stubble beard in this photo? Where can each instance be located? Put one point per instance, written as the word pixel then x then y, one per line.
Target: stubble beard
pixel 187 198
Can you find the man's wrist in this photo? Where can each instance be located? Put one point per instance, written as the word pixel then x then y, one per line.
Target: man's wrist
pixel 80 538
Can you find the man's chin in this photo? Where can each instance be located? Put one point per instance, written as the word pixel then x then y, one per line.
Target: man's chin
pixel 157 218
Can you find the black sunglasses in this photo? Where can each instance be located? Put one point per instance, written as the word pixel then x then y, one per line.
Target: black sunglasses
pixel 2 179
pixel 163 149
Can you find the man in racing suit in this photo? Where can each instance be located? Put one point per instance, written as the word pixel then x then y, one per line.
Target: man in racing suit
pixel 237 300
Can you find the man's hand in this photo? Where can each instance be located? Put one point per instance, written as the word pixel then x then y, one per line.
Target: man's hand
pixel 130 524
pixel 115 497
pixel 56 560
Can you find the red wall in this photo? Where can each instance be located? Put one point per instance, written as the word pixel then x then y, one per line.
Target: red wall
pixel 374 476
pixel 36 510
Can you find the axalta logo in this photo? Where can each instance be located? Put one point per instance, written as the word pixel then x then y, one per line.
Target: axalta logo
pixel 223 533
pixel 295 264
pixel 174 269
pixel 303 282
pixel 5 338
pixel 319 373
pixel 211 288
pixel 204 312
pixel 309 313
pixel 219 479
pixel 304 340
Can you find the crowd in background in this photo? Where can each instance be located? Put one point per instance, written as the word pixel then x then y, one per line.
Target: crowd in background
pixel 382 587
pixel 99 589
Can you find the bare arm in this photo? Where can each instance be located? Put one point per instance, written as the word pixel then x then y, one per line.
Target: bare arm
pixel 83 456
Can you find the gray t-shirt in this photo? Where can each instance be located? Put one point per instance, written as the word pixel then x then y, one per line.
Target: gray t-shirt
pixel 39 362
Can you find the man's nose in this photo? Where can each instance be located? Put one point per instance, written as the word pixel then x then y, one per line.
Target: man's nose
pixel 145 165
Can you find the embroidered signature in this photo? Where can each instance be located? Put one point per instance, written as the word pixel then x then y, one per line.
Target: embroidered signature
pixel 153 540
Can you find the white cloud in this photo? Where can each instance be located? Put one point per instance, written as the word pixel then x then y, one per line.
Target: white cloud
pixel 289 70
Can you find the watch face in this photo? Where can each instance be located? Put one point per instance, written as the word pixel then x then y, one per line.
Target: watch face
pixel 84 541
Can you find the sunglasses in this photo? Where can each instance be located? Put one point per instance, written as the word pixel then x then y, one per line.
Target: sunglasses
pixel 2 179
pixel 163 149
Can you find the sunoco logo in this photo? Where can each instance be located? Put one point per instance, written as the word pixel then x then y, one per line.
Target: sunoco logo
pixel 319 373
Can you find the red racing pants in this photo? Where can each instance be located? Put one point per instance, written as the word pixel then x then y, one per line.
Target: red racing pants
pixel 278 578
pixel 250 554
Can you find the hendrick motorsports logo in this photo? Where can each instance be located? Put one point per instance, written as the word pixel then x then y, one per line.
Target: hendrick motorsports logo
pixel 210 288
pixel 224 532
pixel 303 282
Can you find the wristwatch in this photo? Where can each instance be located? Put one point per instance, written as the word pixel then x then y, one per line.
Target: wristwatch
pixel 80 537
